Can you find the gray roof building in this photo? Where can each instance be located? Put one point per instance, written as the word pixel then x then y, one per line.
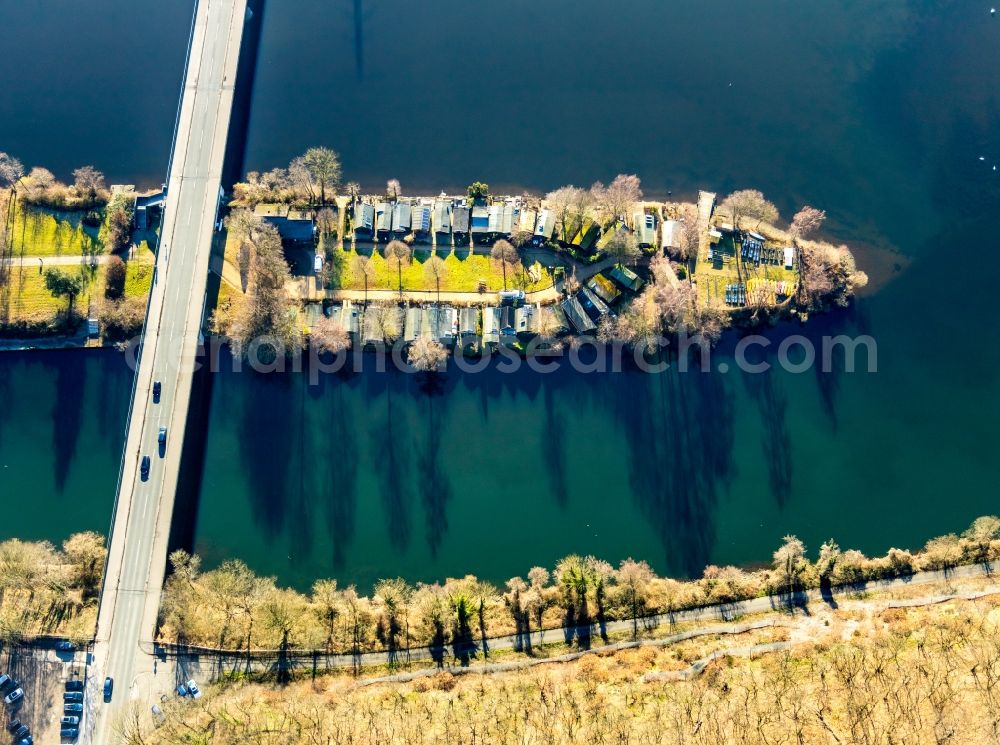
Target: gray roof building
pixel 577 316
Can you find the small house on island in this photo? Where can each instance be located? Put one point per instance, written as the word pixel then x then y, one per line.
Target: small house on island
pixel 670 239
pixel 491 325
pixel 626 278
pixel 526 222
pixel 420 221
pixel 480 226
pixel 364 221
pixel 442 220
pixel 460 223
pixel 645 229
pixel 401 219
pixel 383 220
pixel 292 225
pixel 595 307
pixel 577 316
pixel 545 228
pixel 468 324
pixel 415 324
pixel 148 207
pixel 526 319
pixel 603 288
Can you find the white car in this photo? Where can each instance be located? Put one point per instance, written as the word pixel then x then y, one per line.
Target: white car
pixel 14 696
pixel 193 689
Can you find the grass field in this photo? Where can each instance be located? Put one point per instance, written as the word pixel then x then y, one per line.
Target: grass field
pixel 27 299
pixel 42 232
pixel 463 271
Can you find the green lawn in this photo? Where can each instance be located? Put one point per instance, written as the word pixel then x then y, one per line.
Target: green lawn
pixel 27 299
pixel 43 232
pixel 463 271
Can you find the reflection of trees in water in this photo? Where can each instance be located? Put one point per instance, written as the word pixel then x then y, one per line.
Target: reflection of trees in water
pixel 679 431
pixel 269 433
pixel 113 395
pixel 340 453
pixel 67 410
pixel 554 446
pixel 775 440
pixel 433 481
pixel 390 458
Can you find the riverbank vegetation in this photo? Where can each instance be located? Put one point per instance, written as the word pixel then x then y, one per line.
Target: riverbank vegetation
pixel 860 672
pixel 232 608
pixel 49 590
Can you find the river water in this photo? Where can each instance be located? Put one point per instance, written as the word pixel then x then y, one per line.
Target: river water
pixel 878 112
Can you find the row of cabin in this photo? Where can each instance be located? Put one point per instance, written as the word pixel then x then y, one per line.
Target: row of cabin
pixel 491 325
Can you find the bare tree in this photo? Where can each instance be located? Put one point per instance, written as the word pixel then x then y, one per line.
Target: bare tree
pixel 623 248
pixel 749 204
pixel 301 179
pixel 435 269
pixel 805 222
pixel 393 189
pixel 362 265
pixel 11 171
pixel 400 253
pixel 323 166
pixel 506 255
pixel 617 199
pixel 354 190
pixel 570 205
pixel 329 335
pixel 427 354
pixel 88 182
pixel 326 221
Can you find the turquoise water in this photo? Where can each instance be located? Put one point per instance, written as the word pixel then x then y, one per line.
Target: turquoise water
pixel 877 112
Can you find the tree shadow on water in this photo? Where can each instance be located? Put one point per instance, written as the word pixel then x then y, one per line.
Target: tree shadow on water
pixel 679 430
pixel 775 440
pixel 434 483
pixel 67 410
pixel 389 438
pixel 341 486
pixel 269 442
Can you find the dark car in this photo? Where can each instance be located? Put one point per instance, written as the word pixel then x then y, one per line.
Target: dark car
pixel 162 438
pixel 144 467
pixel 5 683
pixel 13 725
pixel 72 708
pixel 156 392
pixel 22 731
pixel 74 685
pixel 73 697
pixel 66 647
pixel 29 740
pixel 109 685
pixel 69 732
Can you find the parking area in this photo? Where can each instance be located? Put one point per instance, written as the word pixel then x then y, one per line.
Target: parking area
pixel 42 672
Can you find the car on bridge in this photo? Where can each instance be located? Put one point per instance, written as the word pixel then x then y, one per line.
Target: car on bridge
pixel 144 467
pixel 156 391
pixel 162 437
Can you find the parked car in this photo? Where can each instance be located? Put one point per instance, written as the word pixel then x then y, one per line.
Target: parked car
pixel 14 696
pixel 5 683
pixel 144 466
pixel 69 733
pixel 70 721
pixel 182 690
pixel 193 689
pixel 13 724
pixel 22 732
pixel 66 647
pixel 29 740
pixel 72 708
pixel 74 685
pixel 73 697
pixel 109 686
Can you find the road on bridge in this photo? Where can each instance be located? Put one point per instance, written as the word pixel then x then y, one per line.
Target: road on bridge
pixel 144 505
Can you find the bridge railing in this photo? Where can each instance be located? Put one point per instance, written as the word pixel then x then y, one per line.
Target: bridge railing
pixel 149 299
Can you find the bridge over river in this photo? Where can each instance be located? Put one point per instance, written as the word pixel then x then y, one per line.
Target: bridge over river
pixel 144 505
